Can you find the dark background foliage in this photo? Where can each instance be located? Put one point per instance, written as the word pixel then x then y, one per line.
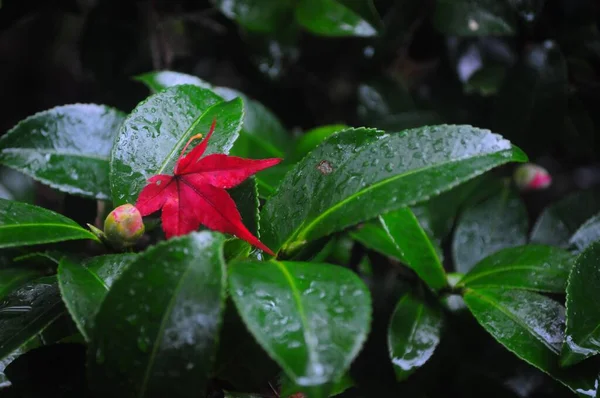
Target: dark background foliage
pixel 538 85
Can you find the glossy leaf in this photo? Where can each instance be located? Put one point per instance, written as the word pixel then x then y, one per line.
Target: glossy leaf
pixel 583 315
pixel 373 236
pixel 288 388
pixel 358 174
pixel 261 16
pixel 11 278
pixel 311 318
pixel 418 251
pixel 532 267
pixel 483 229
pixel 530 326
pixel 413 335
pixel 474 18
pixel 312 138
pixel 22 224
pixel 67 147
pixel 156 331
pixel 26 311
pixel 268 180
pixel 16 186
pixel 262 135
pixel 560 221
pixel 332 18
pixel 84 285
pixel 153 135
pixel 587 234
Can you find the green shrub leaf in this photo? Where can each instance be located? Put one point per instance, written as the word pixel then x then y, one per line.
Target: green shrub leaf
pixel 358 174
pixel 332 18
pixel 22 224
pixel 532 327
pixel 67 147
pixel 83 286
pixel 583 315
pixel 311 318
pixel 587 234
pixel 156 331
pixel 532 267
pixel 474 18
pixel 413 335
pixel 496 223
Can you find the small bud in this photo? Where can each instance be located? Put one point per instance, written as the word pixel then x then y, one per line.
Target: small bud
pixel 531 177
pixel 123 227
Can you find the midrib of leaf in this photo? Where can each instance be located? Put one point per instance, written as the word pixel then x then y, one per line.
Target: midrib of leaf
pixel 498 270
pixel 77 228
pixel 184 138
pixel 300 233
pixel 55 152
pixel 432 251
pixel 312 355
pixel 161 330
pixel 509 315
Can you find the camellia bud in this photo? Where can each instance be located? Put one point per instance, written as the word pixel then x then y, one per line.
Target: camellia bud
pixel 531 177
pixel 123 227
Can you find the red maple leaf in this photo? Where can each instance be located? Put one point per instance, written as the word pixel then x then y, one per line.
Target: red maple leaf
pixel 196 193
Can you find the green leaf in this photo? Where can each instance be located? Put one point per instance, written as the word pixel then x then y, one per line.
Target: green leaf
pixel 532 267
pixel 156 331
pixel 268 180
pixel 560 221
pixel 312 138
pixel 83 286
pixel 12 277
pixel 583 314
pixel 67 147
pixel 289 388
pixel 16 186
pixel 265 16
pixel 22 224
pixel 373 236
pixel 413 335
pixel 311 318
pixel 418 251
pixel 26 311
pixel 262 135
pixel 153 135
pixel 587 234
pixel 483 229
pixel 530 326
pixel 332 18
pixel 474 18
pixel 358 174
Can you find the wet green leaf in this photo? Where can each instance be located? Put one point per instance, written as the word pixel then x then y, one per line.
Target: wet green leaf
pixel 16 186
pixel 84 285
pixel 496 223
pixel 67 147
pixel 532 267
pixel 358 174
pixel 530 326
pixel 418 251
pixel 583 314
pixel 587 234
pixel 474 18
pixel 332 18
pixel 288 388
pixel 11 278
pixel 413 335
pixel 262 134
pixel 156 331
pixel 26 311
pixel 311 318
pixel 268 180
pixel 373 236
pixel 559 221
pixel 265 16
pixel 22 224
pixel 312 138
pixel 153 135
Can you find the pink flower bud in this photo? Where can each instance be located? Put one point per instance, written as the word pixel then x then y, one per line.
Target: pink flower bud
pixel 531 177
pixel 123 227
